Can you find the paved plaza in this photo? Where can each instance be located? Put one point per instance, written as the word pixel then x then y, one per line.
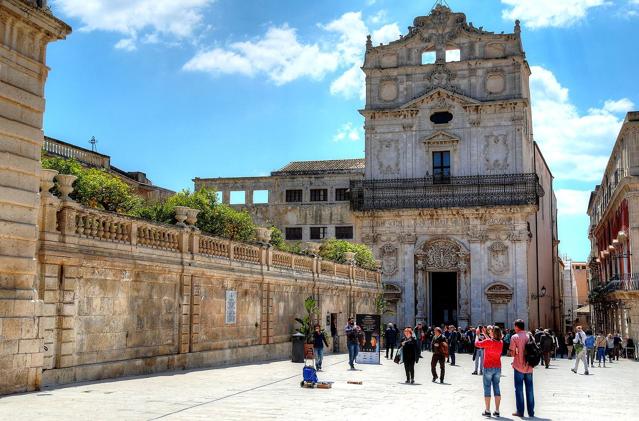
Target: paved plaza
pixel 272 391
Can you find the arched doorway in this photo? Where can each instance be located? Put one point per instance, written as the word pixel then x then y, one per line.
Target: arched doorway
pixel 443 293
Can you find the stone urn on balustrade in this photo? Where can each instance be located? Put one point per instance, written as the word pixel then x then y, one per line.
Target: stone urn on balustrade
pixel 47 183
pixel 350 257
pixel 191 216
pixel 263 235
pixel 181 214
pixel 65 185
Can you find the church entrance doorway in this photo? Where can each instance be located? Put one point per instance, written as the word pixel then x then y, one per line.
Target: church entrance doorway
pixel 443 298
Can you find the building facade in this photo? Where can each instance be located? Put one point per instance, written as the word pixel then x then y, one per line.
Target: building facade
pixel 453 195
pixel 614 234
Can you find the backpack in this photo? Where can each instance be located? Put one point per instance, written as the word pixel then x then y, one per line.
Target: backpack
pixel 590 342
pixel 532 353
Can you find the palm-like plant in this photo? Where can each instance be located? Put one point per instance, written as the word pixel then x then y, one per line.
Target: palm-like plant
pixel 306 323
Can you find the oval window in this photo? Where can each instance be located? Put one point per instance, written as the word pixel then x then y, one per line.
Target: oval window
pixel 442 117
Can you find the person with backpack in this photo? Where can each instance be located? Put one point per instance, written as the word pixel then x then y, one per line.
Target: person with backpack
pixel 600 344
pixel 492 368
pixel 580 350
pixel 590 348
pixel 526 355
pixel 440 351
pixel 547 345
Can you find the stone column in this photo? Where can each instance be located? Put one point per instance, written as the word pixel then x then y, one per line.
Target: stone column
pixel 28 29
pixel 420 292
pixel 226 197
pixel 248 197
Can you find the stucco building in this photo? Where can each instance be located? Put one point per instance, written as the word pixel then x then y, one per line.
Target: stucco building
pixel 453 194
pixel 614 236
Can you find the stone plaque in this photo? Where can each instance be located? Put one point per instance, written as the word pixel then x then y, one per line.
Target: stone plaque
pixel 388 90
pixel 495 83
pixel 231 307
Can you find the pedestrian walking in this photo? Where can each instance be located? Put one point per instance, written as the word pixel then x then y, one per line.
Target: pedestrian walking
pixel 319 340
pixel 570 337
pixel 618 345
pixel 440 350
pixel 590 348
pixel 610 345
pixel 523 372
pixel 547 345
pixel 353 335
pixel 580 350
pixel 390 340
pixel 453 343
pixel 492 347
pixel 410 354
pixel 555 342
pixel 419 334
pixel 478 356
pixel 600 344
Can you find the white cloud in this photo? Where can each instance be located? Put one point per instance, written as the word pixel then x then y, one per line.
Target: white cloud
pixel 279 55
pixel 572 202
pixel 137 18
pixel 549 13
pixel 282 57
pixel 575 144
pixel 348 133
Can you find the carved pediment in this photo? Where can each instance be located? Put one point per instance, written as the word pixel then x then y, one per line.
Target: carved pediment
pixel 441 138
pixel 436 96
pixel 498 293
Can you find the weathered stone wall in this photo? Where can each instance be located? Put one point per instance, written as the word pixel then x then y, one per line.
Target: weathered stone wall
pixel 124 296
pixel 25 32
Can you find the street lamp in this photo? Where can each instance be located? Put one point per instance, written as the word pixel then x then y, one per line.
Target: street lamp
pixel 541 294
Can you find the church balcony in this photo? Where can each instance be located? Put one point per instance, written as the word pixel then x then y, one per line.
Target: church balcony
pixel 446 192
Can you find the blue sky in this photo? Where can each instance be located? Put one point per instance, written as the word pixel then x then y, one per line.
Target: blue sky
pixel 216 88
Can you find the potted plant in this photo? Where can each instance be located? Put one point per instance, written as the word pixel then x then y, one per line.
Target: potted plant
pixel 306 324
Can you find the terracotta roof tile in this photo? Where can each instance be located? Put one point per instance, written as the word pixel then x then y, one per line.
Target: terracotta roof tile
pixel 337 166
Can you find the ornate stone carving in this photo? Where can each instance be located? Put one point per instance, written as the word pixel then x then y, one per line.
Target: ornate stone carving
pixel 388 158
pixel 499 293
pixel 408 238
pixel 441 77
pixel 388 90
pixel 495 83
pixel 389 259
pixel 444 255
pixel 496 152
pixel 441 138
pixel 476 234
pixel 368 238
pixel 498 260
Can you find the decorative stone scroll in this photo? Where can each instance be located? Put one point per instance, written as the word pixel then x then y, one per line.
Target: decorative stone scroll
pixel 498 260
pixel 444 255
pixel 389 259
pixel 498 293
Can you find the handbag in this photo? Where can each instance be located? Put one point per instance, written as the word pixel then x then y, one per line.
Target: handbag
pixel 398 356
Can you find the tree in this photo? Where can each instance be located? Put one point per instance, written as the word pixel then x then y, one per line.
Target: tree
pixel 335 250
pixel 96 188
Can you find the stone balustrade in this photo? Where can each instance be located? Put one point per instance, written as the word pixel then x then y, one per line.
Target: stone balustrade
pixel 74 220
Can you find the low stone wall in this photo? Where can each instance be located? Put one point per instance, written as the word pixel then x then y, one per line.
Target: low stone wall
pixel 122 296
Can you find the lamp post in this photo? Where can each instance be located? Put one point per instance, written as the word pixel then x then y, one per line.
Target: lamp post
pixel 533 296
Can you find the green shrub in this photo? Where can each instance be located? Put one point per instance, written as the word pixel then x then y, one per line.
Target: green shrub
pixel 335 249
pixel 96 188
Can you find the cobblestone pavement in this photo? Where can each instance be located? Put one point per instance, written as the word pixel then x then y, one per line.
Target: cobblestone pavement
pixel 272 391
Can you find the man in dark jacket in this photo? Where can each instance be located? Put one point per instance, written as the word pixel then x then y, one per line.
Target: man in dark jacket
pixel 390 339
pixel 440 350
pixel 453 343
pixel 547 345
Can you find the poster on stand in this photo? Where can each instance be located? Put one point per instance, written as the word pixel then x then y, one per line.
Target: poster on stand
pixel 369 346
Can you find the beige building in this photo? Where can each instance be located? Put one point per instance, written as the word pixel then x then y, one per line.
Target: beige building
pixel 453 194
pixel 614 236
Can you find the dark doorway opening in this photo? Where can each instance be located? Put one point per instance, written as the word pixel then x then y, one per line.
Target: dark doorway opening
pixel 443 297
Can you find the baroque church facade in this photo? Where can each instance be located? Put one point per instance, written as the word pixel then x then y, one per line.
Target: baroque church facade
pixel 453 195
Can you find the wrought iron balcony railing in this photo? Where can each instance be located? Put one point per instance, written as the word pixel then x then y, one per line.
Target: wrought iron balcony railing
pixel 627 282
pixel 446 192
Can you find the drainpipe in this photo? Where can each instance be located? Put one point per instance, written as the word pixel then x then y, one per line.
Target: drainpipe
pixel 537 236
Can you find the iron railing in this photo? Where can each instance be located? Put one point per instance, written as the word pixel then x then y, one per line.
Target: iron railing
pixel 627 282
pixel 438 192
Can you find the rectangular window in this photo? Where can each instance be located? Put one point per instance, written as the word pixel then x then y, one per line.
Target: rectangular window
pixel 344 233
pixel 293 196
pixel 294 234
pixel 441 167
pixel 318 233
pixel 342 195
pixel 319 195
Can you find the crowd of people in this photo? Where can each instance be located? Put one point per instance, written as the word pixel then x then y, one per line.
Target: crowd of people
pixel 488 344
